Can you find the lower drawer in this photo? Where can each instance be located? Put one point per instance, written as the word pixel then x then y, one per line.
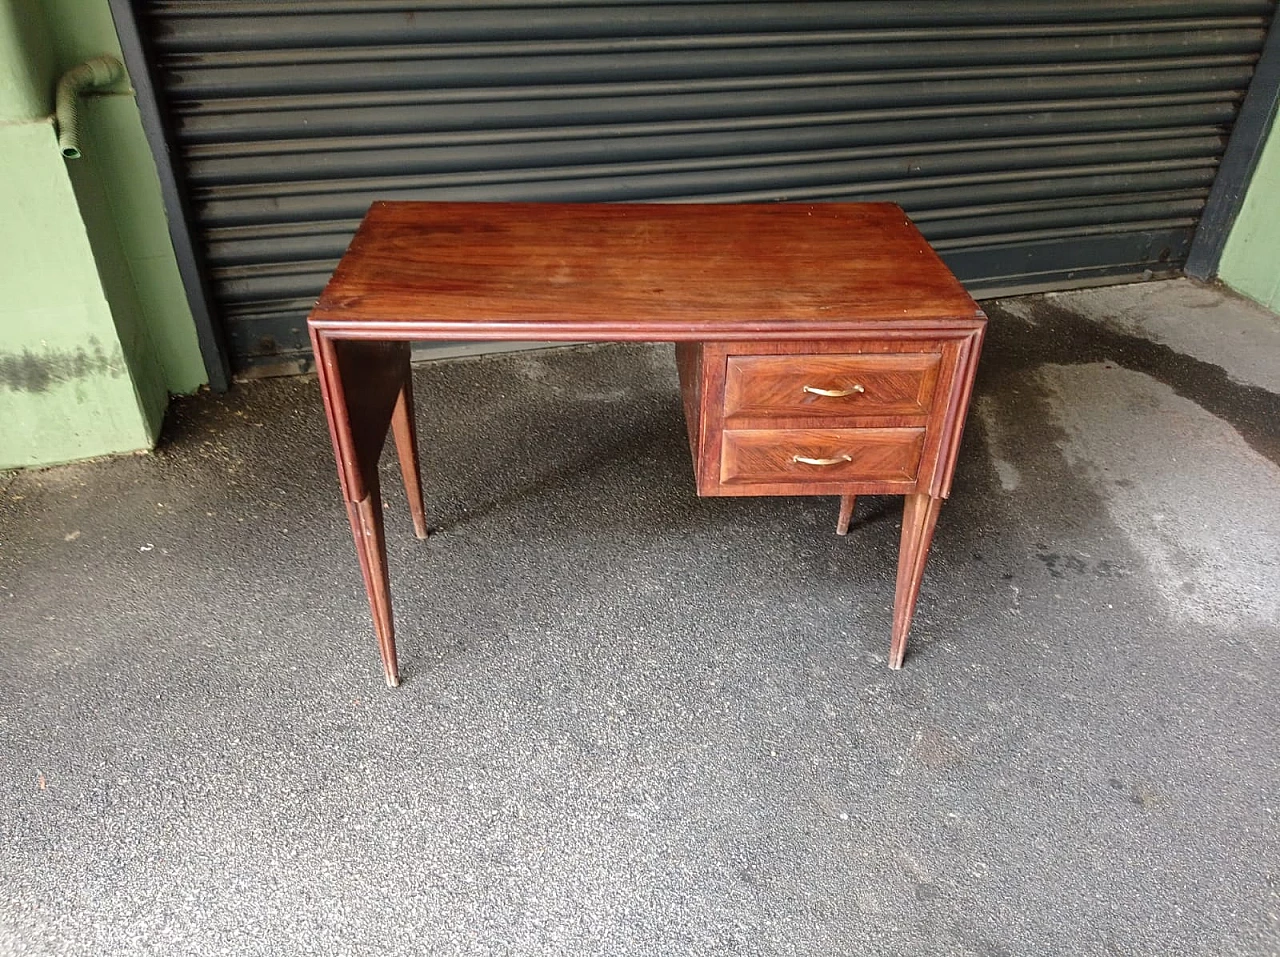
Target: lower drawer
pixel 820 456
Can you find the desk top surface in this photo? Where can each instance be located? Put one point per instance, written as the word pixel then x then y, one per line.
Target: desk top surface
pixel 555 270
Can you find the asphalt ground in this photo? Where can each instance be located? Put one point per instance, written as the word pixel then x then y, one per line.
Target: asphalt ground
pixel 637 722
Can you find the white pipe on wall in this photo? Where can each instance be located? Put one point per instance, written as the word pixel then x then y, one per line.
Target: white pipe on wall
pixel 94 74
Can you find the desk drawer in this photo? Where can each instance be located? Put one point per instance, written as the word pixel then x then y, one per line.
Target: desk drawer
pixel 830 386
pixel 817 456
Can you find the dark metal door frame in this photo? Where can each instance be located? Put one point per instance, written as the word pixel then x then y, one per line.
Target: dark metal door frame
pixel 191 266
pixel 1248 137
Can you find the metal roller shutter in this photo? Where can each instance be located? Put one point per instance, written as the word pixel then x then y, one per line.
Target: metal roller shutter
pixel 1036 145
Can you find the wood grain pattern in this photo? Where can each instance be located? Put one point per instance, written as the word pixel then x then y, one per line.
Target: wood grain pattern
pixel 966 368
pixel 940 351
pixel 405 433
pixel 840 456
pixel 919 519
pixel 689 369
pixel 619 271
pixel 365 385
pixel 847 502
pixel 884 384
pixel 710 405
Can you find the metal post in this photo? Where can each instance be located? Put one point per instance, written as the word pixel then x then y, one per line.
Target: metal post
pixel 191 266
pixel 1248 136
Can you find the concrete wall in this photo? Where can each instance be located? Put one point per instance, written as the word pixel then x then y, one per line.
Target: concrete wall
pixel 1251 260
pixel 95 331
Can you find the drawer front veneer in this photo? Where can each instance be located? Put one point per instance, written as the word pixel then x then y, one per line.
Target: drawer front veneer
pixel 830 386
pixel 809 456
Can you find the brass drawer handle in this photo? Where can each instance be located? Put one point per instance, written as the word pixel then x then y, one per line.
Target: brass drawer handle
pixel 805 460
pixel 833 393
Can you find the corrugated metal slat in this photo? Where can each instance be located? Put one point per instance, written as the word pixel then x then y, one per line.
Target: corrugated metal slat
pixel 1035 144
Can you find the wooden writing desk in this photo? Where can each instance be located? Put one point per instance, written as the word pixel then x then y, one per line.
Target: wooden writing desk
pixel 823 349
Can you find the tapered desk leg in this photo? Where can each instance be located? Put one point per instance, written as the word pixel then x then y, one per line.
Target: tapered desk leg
pixel 919 518
pixel 371 549
pixel 405 434
pixel 846 514
pixel 365 386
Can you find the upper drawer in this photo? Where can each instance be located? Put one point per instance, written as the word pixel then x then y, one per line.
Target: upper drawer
pixel 835 386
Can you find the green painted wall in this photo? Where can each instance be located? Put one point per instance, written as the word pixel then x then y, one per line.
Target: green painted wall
pixel 66 391
pixel 26 61
pixel 1251 259
pixel 123 209
pixel 95 331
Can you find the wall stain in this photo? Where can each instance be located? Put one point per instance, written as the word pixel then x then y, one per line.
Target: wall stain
pixel 29 371
pixel 1054 335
